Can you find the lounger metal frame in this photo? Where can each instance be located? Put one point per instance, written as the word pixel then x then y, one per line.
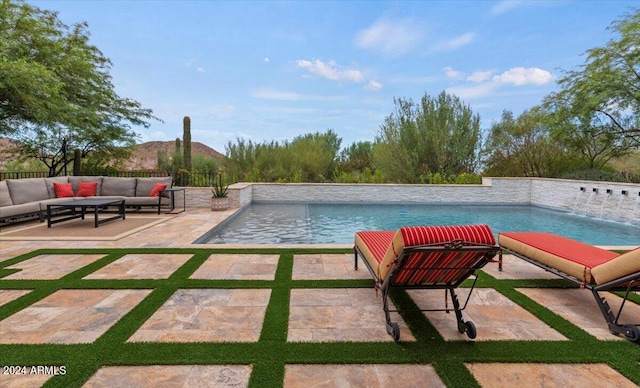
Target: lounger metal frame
pixel 626 284
pixel 459 248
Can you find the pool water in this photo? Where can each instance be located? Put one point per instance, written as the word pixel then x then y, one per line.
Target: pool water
pixel 261 223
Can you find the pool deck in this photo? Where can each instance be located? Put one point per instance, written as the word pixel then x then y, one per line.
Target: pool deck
pixel 305 324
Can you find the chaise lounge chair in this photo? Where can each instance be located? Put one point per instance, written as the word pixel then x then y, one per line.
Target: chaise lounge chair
pixel 585 265
pixel 426 257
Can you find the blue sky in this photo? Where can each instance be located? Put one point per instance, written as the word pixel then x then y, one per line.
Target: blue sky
pixel 273 70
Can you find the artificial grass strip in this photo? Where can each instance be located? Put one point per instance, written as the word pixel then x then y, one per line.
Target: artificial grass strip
pixel 271 353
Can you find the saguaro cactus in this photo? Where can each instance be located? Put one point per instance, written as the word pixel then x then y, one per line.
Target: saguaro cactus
pixel 77 162
pixel 186 139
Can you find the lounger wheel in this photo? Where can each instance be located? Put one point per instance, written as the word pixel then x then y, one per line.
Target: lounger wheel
pixel 632 333
pixel 469 328
pixel 394 331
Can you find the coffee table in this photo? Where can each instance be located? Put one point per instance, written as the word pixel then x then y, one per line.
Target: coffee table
pixel 98 205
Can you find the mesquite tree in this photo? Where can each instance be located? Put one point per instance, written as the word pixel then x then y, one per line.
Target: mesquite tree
pixel 438 135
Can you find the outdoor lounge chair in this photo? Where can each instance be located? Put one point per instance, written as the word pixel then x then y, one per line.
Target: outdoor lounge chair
pixel 426 257
pixel 585 265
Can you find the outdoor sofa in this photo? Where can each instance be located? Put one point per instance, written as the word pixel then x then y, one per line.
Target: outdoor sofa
pixel 22 198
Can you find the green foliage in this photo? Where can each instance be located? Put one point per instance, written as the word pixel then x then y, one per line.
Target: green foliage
pixel 438 135
pixel 356 157
pixel 307 158
pixel 524 147
pixel 604 175
pixel 55 88
pixel 28 165
pixel 602 99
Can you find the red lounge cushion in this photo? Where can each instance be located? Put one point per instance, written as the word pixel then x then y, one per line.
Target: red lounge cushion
pixel 87 189
pixel 157 189
pixel 63 190
pixel 422 235
pixel 442 267
pixel 565 248
pixel 377 241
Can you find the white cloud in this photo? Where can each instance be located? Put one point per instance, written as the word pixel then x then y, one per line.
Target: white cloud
pixel 330 70
pixel 373 85
pixel 505 6
pixel 524 76
pixel 454 43
pixel 452 73
pixel 473 91
pixel 200 69
pixel 390 37
pixel 266 59
pixel 479 76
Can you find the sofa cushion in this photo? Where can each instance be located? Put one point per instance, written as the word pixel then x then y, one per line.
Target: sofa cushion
pixel 5 198
pixel 157 189
pixel 125 187
pixel 87 189
pixel 49 182
pixel 63 190
pixel 145 185
pixel 27 190
pixel 76 180
pixel 19 210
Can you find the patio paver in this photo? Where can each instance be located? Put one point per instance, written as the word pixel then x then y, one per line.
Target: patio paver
pixel 171 376
pixel 141 266
pixel 7 296
pixel 238 267
pixel 69 316
pixel 24 380
pixel 580 308
pixel 323 266
pixel 340 314
pixel 524 375
pixel 48 267
pixel 207 315
pixel 495 316
pixel 370 376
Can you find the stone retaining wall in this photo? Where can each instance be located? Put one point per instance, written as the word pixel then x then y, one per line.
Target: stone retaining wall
pixel 566 195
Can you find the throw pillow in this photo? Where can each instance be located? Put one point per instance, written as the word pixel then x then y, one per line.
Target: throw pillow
pixel 62 190
pixel 157 189
pixel 87 189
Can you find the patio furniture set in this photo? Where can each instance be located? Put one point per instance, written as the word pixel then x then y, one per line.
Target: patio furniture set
pixel 45 197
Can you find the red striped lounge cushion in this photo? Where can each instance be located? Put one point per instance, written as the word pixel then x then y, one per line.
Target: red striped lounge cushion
pixel 381 248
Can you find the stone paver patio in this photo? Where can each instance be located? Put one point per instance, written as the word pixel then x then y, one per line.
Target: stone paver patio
pixel 335 314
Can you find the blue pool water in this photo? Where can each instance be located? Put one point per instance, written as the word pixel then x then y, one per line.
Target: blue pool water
pixel 337 223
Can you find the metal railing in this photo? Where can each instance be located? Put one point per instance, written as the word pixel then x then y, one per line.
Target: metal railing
pixel 182 178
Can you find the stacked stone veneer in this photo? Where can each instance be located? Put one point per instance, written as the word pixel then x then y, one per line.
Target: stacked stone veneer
pixel 566 195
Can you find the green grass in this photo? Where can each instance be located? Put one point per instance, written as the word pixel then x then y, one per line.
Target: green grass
pixel 272 352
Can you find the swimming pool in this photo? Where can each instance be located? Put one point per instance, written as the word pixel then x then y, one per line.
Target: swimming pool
pixel 261 223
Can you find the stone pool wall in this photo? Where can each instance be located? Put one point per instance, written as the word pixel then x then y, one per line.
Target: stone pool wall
pixel 607 201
